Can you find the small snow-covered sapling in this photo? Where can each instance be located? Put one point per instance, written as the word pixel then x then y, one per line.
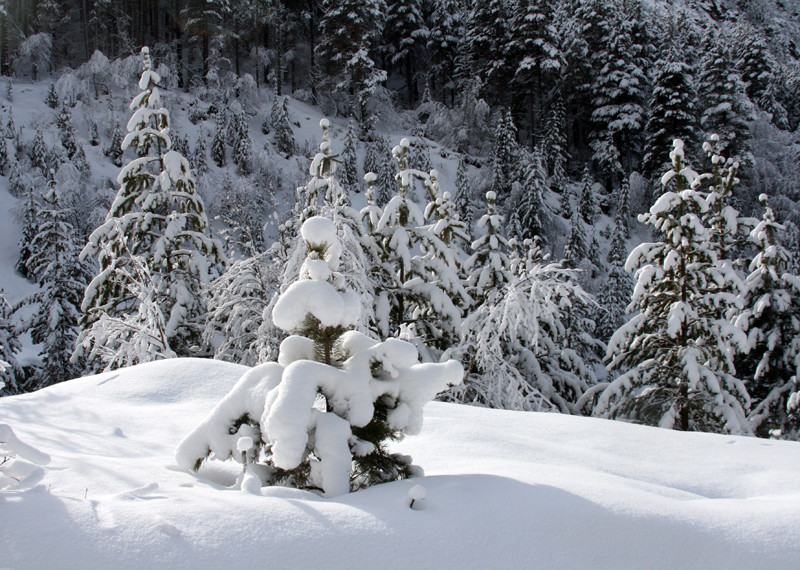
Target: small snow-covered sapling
pixel 417 495
pixel 250 481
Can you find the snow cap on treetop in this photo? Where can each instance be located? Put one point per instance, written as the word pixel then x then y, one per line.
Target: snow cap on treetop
pixel 319 233
pixel 324 123
pixel 491 196
pixel 370 177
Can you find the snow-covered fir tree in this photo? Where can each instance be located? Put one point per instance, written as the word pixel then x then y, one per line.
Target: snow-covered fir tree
pixel 420 291
pixel 619 102
pixel 10 346
pixel 530 208
pixel 218 151
pixel 30 226
pixel 587 201
pixel 3 157
pixel 114 150
pixel 284 136
pixel 682 376
pixel 515 341
pixel 39 154
pixel 62 278
pixel 725 107
pixel 321 417
pixel 52 97
pixel 771 319
pixel 64 122
pixel 488 38
pixel 623 215
pixel 386 182
pixel 577 248
pixel 238 306
pixel 504 158
pixel 155 250
pixel 615 293
pixel 463 197
pixel 349 170
pixel 488 266
pixel 672 112
pixel 242 154
pixel 554 146
pixel 348 30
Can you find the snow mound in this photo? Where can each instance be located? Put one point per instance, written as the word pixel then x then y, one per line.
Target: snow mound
pixel 500 488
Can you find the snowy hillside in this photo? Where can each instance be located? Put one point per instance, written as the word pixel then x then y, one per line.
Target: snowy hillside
pixel 504 489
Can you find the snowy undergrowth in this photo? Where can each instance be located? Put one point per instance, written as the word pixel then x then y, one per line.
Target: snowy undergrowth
pixel 502 489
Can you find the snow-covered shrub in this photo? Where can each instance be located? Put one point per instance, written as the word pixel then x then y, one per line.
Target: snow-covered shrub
pixel 70 88
pixel 34 53
pixel 19 462
pixel 321 416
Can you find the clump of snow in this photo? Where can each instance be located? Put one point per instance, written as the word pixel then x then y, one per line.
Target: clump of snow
pixel 416 496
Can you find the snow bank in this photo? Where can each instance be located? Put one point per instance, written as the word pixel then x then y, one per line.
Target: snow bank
pixel 501 489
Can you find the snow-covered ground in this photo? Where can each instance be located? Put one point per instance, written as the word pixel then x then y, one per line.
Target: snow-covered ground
pixel 503 490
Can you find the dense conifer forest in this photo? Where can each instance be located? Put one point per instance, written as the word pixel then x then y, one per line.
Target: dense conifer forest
pixel 591 204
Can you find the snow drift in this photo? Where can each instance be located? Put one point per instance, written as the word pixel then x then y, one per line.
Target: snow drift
pixel 502 489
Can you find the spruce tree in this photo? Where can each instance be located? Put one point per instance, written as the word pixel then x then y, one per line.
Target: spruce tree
pixel 619 103
pixel 39 153
pixel 349 170
pixel 504 158
pixel 62 279
pixel 463 194
pixel 284 136
pixel 30 226
pixel 753 61
pixel 771 320
pixel 242 154
pixel 488 39
pixel 615 293
pixel 386 181
pixel 565 204
pixel 624 207
pixel 199 156
pixel 554 147
pixel 531 208
pixel 64 122
pixel 576 249
pixel 673 112
pixel 348 32
pixel 11 371
pixel 682 376
pixel 155 250
pixel 423 288
pixel 3 157
pixel 349 393
pixel 488 266
pixel 403 32
pixel 218 151
pixel 52 97
pixel 372 157
pixel 587 203
pixel 725 107
pixel 114 151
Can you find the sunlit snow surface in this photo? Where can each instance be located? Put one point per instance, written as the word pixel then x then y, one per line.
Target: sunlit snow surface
pixel 502 490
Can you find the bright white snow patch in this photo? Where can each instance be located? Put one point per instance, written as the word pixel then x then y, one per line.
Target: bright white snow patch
pixel 532 482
